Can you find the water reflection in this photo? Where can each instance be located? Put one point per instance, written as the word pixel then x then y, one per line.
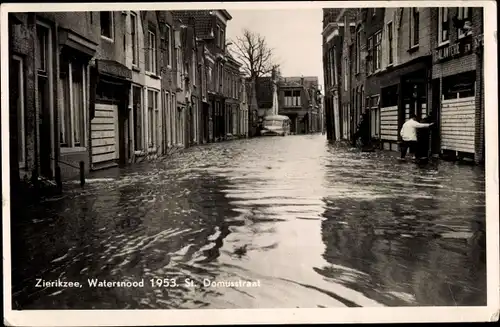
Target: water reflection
pixel 315 225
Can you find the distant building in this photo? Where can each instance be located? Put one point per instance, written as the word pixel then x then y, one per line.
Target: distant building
pixel 297 100
pixel 336 80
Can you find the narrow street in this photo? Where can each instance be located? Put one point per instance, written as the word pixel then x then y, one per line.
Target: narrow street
pixel 316 225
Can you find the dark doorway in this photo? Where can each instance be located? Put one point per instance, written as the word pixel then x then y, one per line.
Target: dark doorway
pixel 44 127
pixel 435 114
pixel 136 112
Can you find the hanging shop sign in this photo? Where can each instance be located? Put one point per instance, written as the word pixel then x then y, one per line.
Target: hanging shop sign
pixel 455 50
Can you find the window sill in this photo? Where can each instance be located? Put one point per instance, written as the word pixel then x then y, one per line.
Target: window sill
pixel 443 44
pixel 68 150
pixel 414 48
pixel 110 40
pixel 153 75
pixel 135 68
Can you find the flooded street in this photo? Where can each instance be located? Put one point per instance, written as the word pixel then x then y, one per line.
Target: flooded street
pixel 314 225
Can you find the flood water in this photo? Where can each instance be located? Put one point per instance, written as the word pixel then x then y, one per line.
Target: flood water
pixel 311 224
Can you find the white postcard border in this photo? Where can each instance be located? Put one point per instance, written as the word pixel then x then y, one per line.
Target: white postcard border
pixel 278 316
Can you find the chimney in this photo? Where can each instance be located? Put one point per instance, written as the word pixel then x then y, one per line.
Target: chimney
pixel 302 80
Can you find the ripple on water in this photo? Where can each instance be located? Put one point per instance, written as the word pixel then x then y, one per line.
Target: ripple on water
pixel 317 225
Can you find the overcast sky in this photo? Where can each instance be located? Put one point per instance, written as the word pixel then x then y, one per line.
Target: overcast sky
pixel 295 36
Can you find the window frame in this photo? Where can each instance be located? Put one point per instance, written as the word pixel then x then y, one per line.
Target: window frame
pixel 194 74
pixel 346 65
pixel 443 12
pixel 168 45
pixel 217 37
pixel 377 49
pixel 463 13
pixel 414 27
pixel 134 24
pixel 358 51
pixel 152 52
pixel 371 42
pixel 67 111
pixel 152 112
pixel 21 114
pixel 390 40
pixel 110 38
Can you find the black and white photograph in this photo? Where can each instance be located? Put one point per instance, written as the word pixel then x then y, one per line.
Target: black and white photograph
pixel 336 160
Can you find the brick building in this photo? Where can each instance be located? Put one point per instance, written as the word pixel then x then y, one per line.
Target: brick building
pixel 457 81
pixel 332 58
pixel 50 91
pixel 210 26
pixel 347 104
pixel 109 112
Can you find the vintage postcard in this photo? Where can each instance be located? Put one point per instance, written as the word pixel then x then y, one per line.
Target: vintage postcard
pixel 249 162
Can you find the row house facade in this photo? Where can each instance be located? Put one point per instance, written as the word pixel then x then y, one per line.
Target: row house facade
pixel 426 61
pixel 232 90
pixel 299 100
pixel 92 90
pixel 333 44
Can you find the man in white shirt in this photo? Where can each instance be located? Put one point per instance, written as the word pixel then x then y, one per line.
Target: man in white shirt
pixel 409 135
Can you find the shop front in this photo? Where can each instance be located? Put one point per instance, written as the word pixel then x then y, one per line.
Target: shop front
pixel 109 115
pixel 403 91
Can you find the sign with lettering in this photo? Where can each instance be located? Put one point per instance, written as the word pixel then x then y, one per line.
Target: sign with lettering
pixel 458 49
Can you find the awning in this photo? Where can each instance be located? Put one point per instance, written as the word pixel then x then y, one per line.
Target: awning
pixel 76 43
pixel 393 75
pixel 113 69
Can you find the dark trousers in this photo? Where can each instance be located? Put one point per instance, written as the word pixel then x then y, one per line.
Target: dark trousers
pixel 405 145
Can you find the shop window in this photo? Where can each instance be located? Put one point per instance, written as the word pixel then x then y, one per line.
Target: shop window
pixel 390 96
pixel 459 86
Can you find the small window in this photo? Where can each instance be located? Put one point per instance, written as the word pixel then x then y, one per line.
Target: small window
pixel 17 92
pixel 465 15
pixel 369 62
pixel 134 39
pixel 390 44
pixel 443 26
pixel 107 24
pixel 378 51
pixel 414 27
pixel 168 45
pixel 42 34
pixel 151 67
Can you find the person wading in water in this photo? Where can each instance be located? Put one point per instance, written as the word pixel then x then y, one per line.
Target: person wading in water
pixel 409 135
pixel 362 132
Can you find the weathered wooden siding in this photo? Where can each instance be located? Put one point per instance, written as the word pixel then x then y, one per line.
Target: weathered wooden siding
pixel 389 123
pixel 458 124
pixel 104 133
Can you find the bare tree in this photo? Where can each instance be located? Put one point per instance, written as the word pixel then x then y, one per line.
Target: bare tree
pixel 255 54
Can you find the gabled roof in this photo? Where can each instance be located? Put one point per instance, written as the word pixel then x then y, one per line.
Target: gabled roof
pixel 203 21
